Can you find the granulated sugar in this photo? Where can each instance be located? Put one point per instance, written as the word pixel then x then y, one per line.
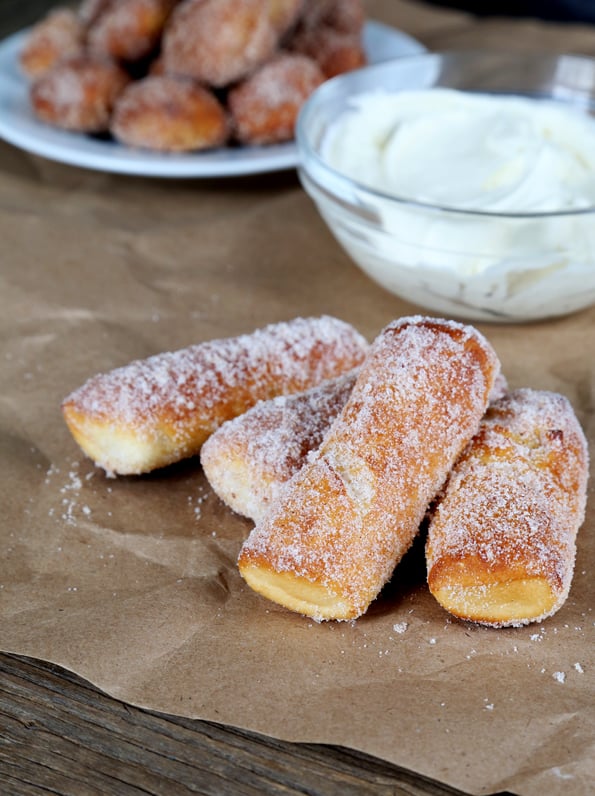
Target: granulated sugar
pixel 400 627
pixel 70 490
pixel 417 401
pixel 222 377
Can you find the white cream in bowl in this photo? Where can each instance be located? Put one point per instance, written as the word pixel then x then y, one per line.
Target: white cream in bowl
pixel 483 202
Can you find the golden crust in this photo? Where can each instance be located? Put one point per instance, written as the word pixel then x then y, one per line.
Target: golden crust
pixel 218 42
pixel 265 106
pixel 259 60
pixel 250 458
pixel 78 93
pixel 501 542
pixel 330 32
pixel 124 449
pixel 348 516
pixel 127 30
pixel 169 114
pixel 58 35
pixel 334 51
pixel 299 594
pixel 153 412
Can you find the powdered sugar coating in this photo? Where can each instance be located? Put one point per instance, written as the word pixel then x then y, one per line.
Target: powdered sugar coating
pixel 58 35
pixel 334 51
pixel 127 30
pixel 514 502
pixel 185 395
pixel 169 114
pixel 78 93
pixel 346 16
pixel 265 106
pixel 352 511
pixel 330 32
pixel 249 459
pixel 218 41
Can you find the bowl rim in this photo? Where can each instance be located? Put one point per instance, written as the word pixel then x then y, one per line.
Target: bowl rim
pixel 307 150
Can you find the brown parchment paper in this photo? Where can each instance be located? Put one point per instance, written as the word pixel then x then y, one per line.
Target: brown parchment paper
pixel 132 582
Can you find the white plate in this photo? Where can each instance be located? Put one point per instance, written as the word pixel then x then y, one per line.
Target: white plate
pixel 19 126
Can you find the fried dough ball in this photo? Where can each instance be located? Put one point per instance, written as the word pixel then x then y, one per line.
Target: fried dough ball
pixel 129 30
pixel 334 51
pixel 265 106
pixel 330 32
pixel 347 16
pixel 78 93
pixel 218 42
pixel 57 35
pixel 170 114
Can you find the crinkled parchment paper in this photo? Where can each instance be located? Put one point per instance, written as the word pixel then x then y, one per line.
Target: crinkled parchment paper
pixel 132 583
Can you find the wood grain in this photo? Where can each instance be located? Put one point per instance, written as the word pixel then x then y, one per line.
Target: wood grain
pixel 60 735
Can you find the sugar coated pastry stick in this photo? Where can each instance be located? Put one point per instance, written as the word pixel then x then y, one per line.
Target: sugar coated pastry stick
pixel 249 459
pixel 156 411
pixel 342 523
pixel 501 543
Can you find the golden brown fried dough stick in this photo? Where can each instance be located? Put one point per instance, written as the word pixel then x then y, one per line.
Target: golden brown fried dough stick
pixel 156 411
pixel 249 459
pixel 346 518
pixel 501 543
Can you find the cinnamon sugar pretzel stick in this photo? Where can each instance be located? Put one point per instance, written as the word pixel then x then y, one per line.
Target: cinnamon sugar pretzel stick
pixel 346 518
pixel 156 411
pixel 501 542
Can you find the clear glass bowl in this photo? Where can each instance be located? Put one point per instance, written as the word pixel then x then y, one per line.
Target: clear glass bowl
pixel 486 266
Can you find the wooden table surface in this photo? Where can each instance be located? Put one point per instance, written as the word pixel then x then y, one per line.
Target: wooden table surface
pixel 61 735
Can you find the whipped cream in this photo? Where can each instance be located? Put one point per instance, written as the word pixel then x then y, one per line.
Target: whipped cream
pixel 509 160
pixel 468 151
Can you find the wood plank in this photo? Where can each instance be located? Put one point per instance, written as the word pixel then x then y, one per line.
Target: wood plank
pixel 59 734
